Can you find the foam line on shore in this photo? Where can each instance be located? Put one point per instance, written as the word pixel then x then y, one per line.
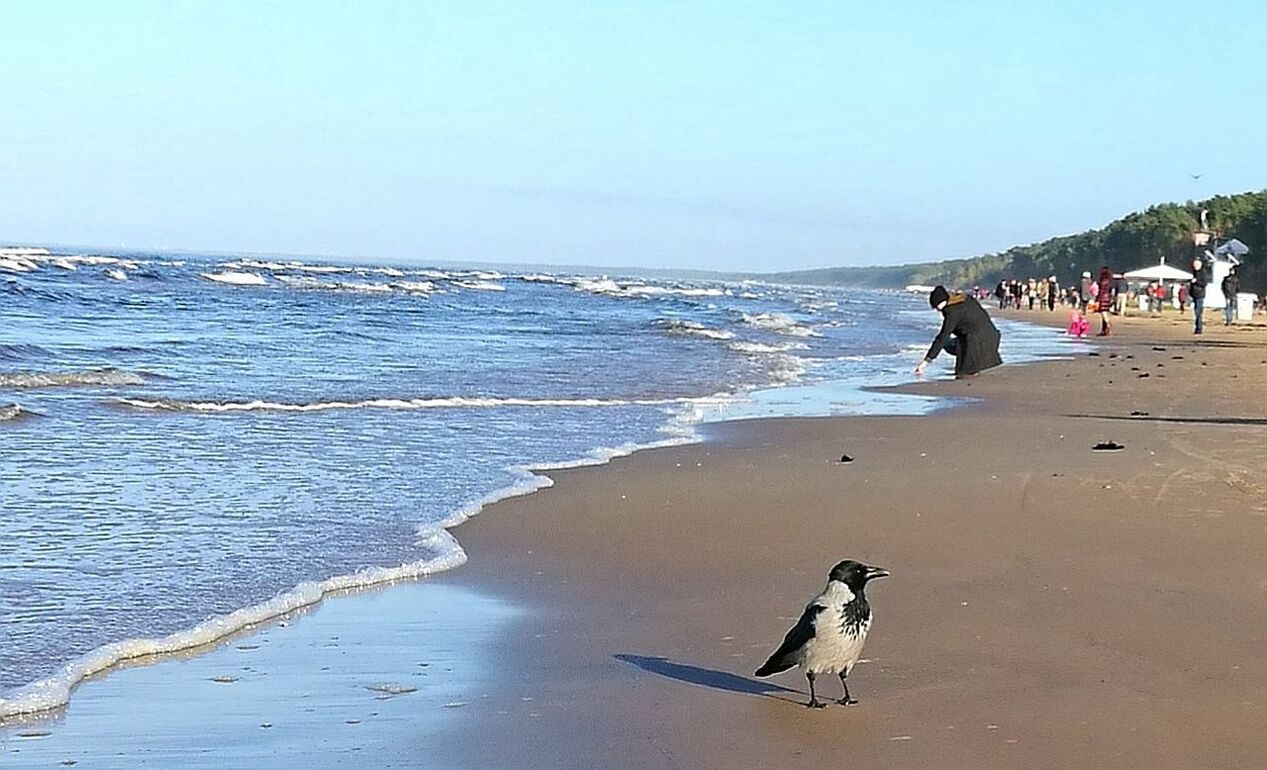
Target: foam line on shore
pixel 443 552
pixel 454 402
pixel 54 691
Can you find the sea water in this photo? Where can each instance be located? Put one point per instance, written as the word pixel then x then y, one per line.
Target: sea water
pixel 190 445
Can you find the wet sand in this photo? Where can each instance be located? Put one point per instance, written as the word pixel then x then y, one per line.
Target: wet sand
pixel 1050 606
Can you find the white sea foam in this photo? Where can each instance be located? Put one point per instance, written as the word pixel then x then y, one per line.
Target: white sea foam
pixel 541 278
pixel 443 552
pixel 693 329
pixel 454 402
pixel 10 412
pixel 17 265
pixel 415 287
pixel 788 368
pixel 778 323
pixel 756 348
pixel 69 379
pixel 647 290
pixel 237 278
pixel 598 286
pixel 117 274
pixel 479 285
pixel 640 290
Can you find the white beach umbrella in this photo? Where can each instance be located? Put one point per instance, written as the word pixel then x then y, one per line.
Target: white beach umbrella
pixel 1162 272
pixel 1233 250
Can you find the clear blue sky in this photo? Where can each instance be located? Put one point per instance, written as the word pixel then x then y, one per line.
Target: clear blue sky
pixel 722 135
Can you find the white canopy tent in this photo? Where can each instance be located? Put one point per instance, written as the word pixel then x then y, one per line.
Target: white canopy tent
pixel 1161 272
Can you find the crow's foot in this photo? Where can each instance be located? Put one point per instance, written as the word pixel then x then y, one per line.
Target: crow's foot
pixel 847 701
pixel 815 703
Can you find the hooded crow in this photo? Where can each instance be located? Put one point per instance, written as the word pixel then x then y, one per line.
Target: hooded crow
pixel 829 636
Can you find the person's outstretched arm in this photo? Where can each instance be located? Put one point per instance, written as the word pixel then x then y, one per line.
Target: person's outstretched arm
pixel 939 343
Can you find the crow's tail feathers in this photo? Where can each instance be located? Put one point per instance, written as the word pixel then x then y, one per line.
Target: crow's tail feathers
pixel 777 664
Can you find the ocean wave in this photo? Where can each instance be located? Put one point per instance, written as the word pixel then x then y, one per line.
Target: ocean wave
pixel 442 553
pixel 14 412
pixel 779 324
pixel 309 282
pixel 18 264
pixel 693 329
pixel 788 368
pixel 479 285
pixel 638 289
pixel 453 402
pixel 22 351
pixel 739 346
pixel 117 274
pixel 236 278
pixel 69 379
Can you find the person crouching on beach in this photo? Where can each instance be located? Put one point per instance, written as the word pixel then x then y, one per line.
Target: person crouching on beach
pixel 967 333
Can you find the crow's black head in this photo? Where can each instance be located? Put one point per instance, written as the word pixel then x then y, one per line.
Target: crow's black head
pixel 855 574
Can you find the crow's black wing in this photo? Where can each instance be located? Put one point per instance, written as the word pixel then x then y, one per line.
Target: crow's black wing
pixel 789 652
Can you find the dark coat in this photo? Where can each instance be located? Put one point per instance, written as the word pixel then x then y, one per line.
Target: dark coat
pixel 1196 287
pixel 977 339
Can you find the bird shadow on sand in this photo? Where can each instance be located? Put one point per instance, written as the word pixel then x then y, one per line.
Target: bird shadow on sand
pixel 708 677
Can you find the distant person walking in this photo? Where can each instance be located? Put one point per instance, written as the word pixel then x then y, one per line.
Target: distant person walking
pixel 1084 291
pixel 1053 293
pixel 1104 299
pixel 967 333
pixel 1231 286
pixel 1196 290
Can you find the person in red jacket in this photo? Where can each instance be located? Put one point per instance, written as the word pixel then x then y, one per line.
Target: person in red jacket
pixel 1104 299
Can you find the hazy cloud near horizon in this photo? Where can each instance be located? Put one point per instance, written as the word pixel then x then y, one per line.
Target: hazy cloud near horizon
pixel 711 135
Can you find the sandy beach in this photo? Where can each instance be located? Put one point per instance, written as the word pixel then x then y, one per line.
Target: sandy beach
pixel 1049 605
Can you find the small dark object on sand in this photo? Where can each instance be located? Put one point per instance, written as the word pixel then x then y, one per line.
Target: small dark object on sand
pixel 1180 358
pixel 1143 374
pixel 1138 413
pixel 1093 353
pixel 846 459
pixel 1107 446
pixel 1158 347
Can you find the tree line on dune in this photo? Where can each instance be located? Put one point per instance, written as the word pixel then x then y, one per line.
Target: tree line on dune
pixel 1136 240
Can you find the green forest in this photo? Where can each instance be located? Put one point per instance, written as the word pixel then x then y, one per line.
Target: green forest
pixel 1136 240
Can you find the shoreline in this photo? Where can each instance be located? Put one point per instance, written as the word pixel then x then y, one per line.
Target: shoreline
pixel 32 700
pixel 1034 627
pixel 570 579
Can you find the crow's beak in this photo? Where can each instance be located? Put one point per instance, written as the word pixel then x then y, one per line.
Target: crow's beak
pixel 876 572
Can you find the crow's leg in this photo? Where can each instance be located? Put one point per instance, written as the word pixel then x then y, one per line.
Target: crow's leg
pixel 845 701
pixel 814 703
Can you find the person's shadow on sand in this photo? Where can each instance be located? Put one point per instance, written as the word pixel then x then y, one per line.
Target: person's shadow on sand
pixel 706 677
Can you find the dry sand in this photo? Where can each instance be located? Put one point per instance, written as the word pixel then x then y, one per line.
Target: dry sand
pixel 1050 606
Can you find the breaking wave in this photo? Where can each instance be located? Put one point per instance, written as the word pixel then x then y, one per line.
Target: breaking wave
pixel 779 324
pixel 236 278
pixel 13 412
pixel 453 402
pixel 739 346
pixel 69 379
pixel 693 329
